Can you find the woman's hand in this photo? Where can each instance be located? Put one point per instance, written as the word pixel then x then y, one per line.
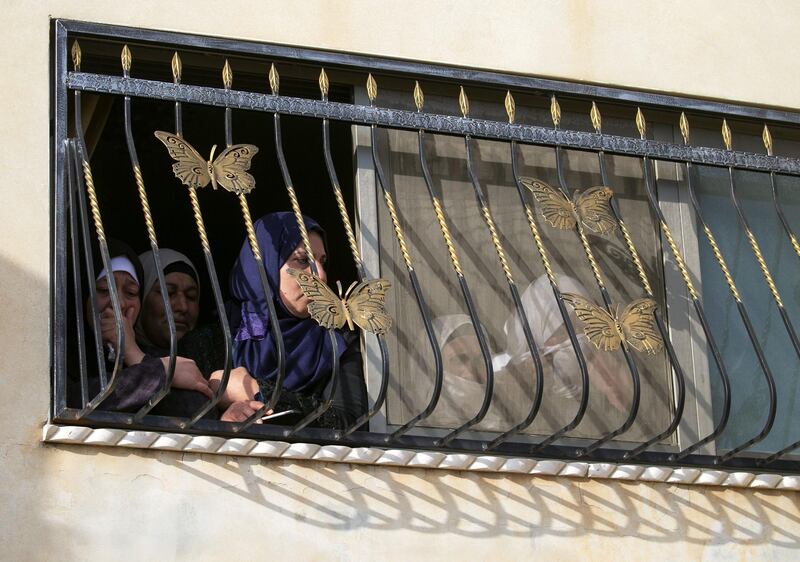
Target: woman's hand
pixel 240 411
pixel 188 376
pixel 241 386
pixel 132 354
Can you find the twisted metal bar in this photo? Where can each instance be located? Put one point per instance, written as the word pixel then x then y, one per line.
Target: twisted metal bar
pixel 637 262
pixel 634 372
pixel 248 225
pixel 698 307
pixel 576 347
pixel 398 231
pixel 762 265
pixel 107 383
pixel 680 378
pixel 438 369
pixel 380 397
pixel 448 239
pixel 151 235
pixel 434 192
pixel 536 402
pixel 762 360
pixel 323 406
pixel 198 220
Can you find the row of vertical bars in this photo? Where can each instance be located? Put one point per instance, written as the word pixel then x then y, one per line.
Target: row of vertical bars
pixel 82 186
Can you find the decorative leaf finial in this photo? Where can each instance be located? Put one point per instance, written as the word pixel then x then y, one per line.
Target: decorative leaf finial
pixel 227 75
pixel 419 98
pixel 372 88
pixel 76 56
pixel 126 59
pixel 555 111
pixel 766 136
pixel 597 121
pixel 641 125
pixel 684 123
pixel 463 101
pixel 511 107
pixel 274 80
pixel 177 67
pixel 324 85
pixel 726 134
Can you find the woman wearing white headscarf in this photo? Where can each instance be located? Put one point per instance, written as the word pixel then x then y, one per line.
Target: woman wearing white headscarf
pixel 555 348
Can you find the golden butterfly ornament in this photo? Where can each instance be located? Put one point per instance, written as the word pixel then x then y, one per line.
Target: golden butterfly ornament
pixel 591 207
pixel 362 304
pixel 229 169
pixel 635 326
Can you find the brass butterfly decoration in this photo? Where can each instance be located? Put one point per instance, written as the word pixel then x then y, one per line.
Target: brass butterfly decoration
pixel 636 326
pixel 229 169
pixel 590 207
pixel 362 303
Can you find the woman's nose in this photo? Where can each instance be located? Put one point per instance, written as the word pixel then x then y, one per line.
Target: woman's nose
pixel 178 303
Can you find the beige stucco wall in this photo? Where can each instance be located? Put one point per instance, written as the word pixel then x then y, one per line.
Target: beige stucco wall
pixel 82 503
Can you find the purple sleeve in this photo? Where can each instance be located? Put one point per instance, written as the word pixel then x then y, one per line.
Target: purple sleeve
pixel 136 385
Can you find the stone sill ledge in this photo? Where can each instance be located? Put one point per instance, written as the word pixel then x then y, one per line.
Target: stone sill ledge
pixel 79 435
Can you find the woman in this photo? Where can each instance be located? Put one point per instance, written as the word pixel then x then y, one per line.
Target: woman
pixel 140 375
pixel 308 351
pixel 181 279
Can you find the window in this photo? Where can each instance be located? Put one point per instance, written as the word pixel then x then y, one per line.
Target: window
pixel 634 406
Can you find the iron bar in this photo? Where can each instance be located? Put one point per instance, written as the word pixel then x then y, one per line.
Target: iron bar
pixel 435 193
pixel 210 268
pixel 762 360
pixel 432 123
pixel 280 352
pixel 551 277
pixel 767 138
pixel 438 370
pixel 650 190
pixel 107 383
pixel 72 187
pixel 421 69
pixel 555 111
pixel 646 287
pixel 483 204
pixel 351 239
pixel 298 215
pixel 151 235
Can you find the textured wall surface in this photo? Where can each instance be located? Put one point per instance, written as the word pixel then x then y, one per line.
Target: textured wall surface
pixel 88 502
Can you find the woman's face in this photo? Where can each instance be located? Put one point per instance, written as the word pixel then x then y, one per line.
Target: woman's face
pixel 184 301
pixel 292 296
pixel 461 357
pixel 128 291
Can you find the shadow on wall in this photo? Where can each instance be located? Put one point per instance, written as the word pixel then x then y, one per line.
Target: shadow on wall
pixel 349 497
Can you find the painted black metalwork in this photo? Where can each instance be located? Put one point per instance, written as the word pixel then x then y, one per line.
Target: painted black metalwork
pixel 649 184
pixel 380 397
pixel 418 70
pixel 438 369
pixel 435 193
pixel 216 291
pixel 447 124
pixel 75 239
pixel 71 196
pixel 562 309
pixel 536 401
pixel 173 339
pixel 680 378
pixel 634 371
pixel 81 161
pixel 748 326
pixel 274 325
pixel 334 380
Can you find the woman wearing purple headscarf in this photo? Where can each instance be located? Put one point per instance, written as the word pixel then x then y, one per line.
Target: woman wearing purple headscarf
pixel 308 350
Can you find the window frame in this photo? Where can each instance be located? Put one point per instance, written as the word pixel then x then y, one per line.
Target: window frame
pixel 660 151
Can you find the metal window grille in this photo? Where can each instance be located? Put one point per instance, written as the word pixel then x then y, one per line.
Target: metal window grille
pixel 79 216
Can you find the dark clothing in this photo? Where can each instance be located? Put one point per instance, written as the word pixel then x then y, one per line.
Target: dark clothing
pixel 206 346
pixel 136 384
